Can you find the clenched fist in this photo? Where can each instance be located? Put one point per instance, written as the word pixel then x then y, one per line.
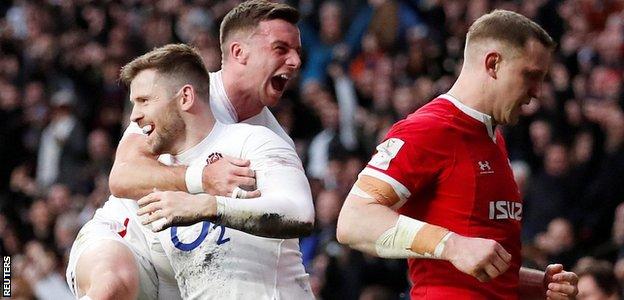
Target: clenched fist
pixel 483 259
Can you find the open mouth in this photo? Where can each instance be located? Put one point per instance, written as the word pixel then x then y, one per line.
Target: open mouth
pixel 278 82
pixel 147 129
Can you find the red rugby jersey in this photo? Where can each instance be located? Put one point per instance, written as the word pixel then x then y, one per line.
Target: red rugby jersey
pixel 450 168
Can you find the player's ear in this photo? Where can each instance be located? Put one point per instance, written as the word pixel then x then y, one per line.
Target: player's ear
pixel 187 98
pixel 492 63
pixel 238 52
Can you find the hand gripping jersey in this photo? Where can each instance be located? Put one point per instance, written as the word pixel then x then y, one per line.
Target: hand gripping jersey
pixel 450 168
pixel 216 262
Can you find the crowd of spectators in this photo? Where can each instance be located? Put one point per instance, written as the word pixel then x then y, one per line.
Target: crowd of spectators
pixel 367 64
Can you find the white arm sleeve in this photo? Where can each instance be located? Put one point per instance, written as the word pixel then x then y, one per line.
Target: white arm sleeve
pixel 285 209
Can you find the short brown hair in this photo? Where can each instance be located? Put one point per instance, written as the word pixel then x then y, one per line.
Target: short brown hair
pixel 181 63
pixel 249 14
pixel 508 27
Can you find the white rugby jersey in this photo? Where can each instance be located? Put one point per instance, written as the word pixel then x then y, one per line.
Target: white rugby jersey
pixel 212 261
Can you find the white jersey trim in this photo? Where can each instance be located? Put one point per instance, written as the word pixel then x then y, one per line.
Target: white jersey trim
pixel 221 90
pixel 398 187
pixel 475 114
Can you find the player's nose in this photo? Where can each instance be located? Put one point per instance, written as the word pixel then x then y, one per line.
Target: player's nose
pixel 294 60
pixel 136 114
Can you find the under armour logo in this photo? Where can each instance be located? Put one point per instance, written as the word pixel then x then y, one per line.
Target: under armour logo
pixel 484 166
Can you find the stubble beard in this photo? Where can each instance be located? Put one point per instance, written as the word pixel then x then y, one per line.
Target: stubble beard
pixel 172 128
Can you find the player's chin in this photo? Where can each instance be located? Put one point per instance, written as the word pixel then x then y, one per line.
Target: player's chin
pixel 272 98
pixel 154 146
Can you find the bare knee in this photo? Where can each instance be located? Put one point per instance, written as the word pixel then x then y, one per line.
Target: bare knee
pixel 108 271
pixel 120 284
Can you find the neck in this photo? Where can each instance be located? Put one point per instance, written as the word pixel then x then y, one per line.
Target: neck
pixel 470 94
pixel 199 124
pixel 240 92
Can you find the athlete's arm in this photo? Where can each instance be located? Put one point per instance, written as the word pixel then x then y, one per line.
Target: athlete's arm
pixel 136 172
pixel 285 209
pixel 369 224
pixel 555 283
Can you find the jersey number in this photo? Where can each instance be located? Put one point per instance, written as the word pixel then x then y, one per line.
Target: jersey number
pixel 202 236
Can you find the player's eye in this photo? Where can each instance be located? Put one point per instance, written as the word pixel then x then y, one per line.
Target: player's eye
pixel 281 50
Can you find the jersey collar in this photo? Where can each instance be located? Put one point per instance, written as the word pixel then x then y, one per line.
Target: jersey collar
pixel 228 103
pixel 187 155
pixel 473 113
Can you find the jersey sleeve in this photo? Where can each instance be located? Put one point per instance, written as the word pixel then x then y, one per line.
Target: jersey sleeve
pixel 280 178
pixel 279 172
pixel 133 127
pixel 410 158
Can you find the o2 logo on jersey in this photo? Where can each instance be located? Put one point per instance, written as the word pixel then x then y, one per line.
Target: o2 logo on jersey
pixel 202 236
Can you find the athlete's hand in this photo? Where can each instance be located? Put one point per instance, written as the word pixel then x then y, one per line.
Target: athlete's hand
pixel 560 284
pixel 164 209
pixel 483 259
pixel 223 175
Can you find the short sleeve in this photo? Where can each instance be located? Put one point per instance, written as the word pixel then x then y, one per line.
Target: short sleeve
pixel 411 157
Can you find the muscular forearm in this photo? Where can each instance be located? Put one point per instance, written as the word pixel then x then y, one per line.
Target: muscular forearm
pixel 136 172
pixel 531 284
pixel 356 229
pixel 271 217
pixel 132 182
pixel 390 235
pixel 284 210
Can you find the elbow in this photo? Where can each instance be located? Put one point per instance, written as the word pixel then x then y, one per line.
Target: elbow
pixel 343 235
pixel 117 185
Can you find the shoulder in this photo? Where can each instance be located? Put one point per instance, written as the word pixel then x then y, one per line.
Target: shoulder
pixel 255 135
pixel 263 147
pixel 266 119
pixel 433 122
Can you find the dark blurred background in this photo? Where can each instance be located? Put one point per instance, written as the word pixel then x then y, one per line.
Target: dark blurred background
pixel 367 64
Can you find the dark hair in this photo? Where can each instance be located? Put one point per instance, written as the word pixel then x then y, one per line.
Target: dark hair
pixel 249 14
pixel 509 27
pixel 181 63
pixel 602 273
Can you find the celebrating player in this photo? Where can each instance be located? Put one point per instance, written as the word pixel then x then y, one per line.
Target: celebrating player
pixel 220 258
pixel 255 71
pixel 440 185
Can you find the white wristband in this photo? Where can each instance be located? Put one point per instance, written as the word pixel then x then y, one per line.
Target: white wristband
pixel 193 177
pixel 220 206
pixel 437 253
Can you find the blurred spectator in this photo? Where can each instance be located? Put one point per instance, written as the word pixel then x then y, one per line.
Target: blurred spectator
pixel 62 143
pixel 558 243
pixel 40 272
pixel 546 196
pixel 597 282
